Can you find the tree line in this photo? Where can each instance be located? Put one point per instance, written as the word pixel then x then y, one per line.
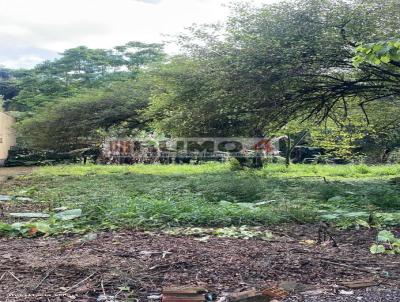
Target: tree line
pixel 327 71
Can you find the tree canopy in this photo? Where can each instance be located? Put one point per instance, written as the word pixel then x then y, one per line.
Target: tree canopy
pixel 332 63
pixel 295 58
pixel 82 121
pixel 79 69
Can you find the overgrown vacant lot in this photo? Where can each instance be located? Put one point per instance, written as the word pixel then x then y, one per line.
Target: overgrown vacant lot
pixel 210 195
pixel 186 216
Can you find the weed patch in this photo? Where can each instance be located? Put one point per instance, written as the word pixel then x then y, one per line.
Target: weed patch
pixel 208 195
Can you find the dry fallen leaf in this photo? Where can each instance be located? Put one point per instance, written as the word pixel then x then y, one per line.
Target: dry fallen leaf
pixel 32 231
pixel 308 242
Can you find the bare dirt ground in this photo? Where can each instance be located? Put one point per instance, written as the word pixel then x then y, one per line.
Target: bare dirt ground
pixel 7 173
pixel 142 263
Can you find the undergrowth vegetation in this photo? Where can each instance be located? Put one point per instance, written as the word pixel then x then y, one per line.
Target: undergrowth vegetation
pixel 207 195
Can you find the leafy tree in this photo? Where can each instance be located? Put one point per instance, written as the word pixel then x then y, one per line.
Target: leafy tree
pixel 187 100
pixel 81 121
pixel 282 62
pixel 8 85
pixel 80 69
pixel 383 52
pixel 322 70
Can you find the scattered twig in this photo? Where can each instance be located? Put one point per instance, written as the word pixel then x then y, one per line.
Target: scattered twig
pixel 349 266
pixel 102 287
pixel 54 268
pixel 166 265
pixel 323 230
pixel 44 278
pixel 347 260
pixel 15 277
pixel 80 282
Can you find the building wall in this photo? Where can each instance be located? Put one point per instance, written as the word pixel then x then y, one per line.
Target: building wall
pixel 7 135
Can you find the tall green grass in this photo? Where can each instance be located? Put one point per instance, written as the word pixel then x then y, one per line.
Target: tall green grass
pixel 278 170
pixel 211 195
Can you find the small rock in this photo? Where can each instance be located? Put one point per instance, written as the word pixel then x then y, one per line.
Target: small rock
pixel 314 292
pixel 27 199
pixel 29 215
pixel 89 237
pixel 346 292
pixel 5 198
pixel 293 286
pixel 154 297
pixel 60 209
pixel 106 298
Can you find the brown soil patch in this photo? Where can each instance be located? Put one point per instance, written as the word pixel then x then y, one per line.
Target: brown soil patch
pixel 146 262
pixel 11 172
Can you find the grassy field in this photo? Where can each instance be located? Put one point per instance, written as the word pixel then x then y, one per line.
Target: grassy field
pixel 210 195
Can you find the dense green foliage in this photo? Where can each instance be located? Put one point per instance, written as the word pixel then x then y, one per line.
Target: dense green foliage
pixel 383 52
pixel 8 86
pixel 211 195
pixel 83 120
pixel 325 70
pixel 79 69
pixel 277 63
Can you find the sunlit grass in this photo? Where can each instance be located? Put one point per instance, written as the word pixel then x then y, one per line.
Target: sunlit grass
pixel 139 169
pixel 210 194
pixel 276 170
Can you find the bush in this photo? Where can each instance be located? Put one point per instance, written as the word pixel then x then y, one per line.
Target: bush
pixel 394 157
pixel 274 160
pixel 234 164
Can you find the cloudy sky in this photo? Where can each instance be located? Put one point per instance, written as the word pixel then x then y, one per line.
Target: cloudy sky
pixel 34 30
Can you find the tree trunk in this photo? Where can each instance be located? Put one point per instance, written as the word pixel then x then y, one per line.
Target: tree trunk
pixel 288 151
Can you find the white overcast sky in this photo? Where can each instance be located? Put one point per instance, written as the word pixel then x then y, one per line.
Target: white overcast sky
pixel 34 30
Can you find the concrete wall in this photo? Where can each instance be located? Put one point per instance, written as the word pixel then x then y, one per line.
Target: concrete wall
pixel 7 135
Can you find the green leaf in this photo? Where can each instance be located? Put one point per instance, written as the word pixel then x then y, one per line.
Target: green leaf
pixel 356 214
pixel 377 47
pixel 363 223
pixel 336 198
pixel 41 227
pixel 385 59
pixel 376 61
pixel 377 249
pixel 386 236
pixel 17 226
pixel 69 214
pixel 225 203
pixel 246 205
pixel 330 216
pixel 5 228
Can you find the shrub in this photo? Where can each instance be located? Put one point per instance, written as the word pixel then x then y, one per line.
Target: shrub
pixel 394 157
pixel 234 164
pixel 274 160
